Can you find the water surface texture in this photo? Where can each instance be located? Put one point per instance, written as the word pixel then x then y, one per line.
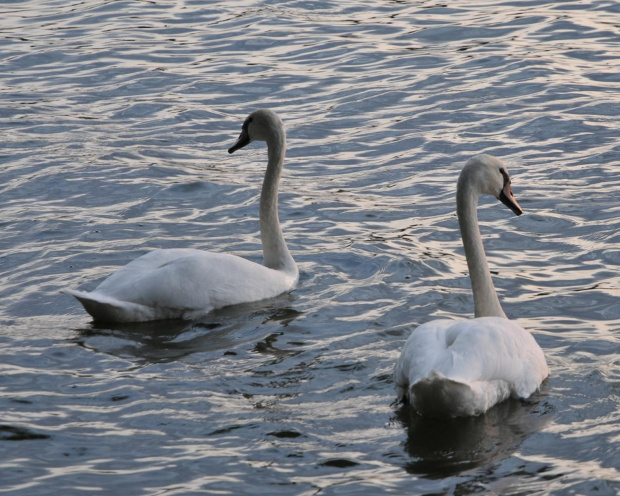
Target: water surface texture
pixel 115 119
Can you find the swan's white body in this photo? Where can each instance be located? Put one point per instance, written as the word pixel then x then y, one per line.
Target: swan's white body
pixel 181 283
pixel 460 368
pixel 186 283
pixel 453 368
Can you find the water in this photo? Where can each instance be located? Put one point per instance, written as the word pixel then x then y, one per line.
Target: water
pixel 115 119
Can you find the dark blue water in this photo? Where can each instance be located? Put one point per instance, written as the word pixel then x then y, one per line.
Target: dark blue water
pixel 115 121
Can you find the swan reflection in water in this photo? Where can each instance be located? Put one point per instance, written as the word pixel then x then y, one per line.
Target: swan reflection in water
pixel 170 340
pixel 444 447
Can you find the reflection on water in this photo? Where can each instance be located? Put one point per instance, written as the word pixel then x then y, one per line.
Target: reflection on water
pixel 441 448
pixel 164 341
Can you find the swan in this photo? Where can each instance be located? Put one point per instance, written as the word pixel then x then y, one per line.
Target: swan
pixel 453 368
pixel 185 283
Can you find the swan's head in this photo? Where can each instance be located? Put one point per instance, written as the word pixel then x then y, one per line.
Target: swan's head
pixel 260 125
pixel 489 176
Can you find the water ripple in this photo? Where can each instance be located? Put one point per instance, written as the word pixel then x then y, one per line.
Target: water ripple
pixel 116 117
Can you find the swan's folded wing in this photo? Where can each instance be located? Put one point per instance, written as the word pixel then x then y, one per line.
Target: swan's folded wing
pixel 424 346
pixel 496 349
pixel 194 280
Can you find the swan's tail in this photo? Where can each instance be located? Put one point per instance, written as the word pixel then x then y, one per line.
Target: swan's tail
pixel 438 396
pixel 107 309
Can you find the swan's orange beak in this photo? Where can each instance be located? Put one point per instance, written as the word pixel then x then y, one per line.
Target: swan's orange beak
pixel 508 199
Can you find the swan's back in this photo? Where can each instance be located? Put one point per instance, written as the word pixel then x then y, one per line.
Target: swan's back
pixel 456 368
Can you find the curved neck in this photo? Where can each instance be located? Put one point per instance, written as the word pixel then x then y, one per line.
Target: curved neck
pixel 275 252
pixel 486 302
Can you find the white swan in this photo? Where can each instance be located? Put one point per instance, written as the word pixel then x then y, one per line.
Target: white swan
pixel 185 283
pixel 453 368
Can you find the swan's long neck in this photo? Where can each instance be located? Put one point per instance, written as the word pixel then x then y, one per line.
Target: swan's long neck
pixel 486 302
pixel 275 252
